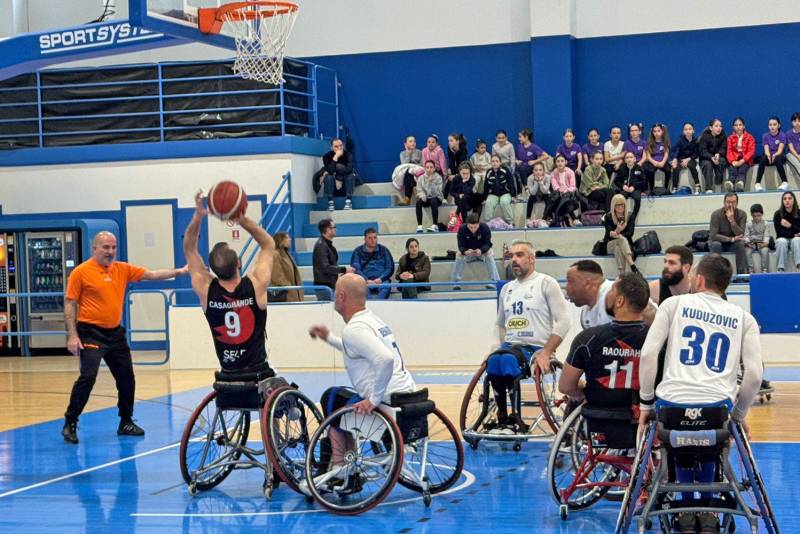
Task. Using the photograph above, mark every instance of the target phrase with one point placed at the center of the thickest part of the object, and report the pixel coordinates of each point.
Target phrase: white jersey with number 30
(531, 310)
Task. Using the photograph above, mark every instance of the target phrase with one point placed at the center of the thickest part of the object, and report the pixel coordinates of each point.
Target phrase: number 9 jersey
(237, 325)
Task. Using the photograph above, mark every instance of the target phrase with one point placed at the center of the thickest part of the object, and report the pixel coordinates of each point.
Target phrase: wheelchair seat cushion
(611, 426)
(237, 395)
(510, 361)
(690, 430)
(245, 375)
(412, 416)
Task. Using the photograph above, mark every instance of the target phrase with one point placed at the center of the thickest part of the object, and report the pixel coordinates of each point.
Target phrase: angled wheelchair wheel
(554, 406)
(758, 488)
(371, 464)
(443, 455)
(576, 477)
(211, 444)
(639, 471)
(288, 420)
(478, 406)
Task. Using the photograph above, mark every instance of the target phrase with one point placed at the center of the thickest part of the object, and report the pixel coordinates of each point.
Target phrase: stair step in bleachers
(360, 202)
(342, 229)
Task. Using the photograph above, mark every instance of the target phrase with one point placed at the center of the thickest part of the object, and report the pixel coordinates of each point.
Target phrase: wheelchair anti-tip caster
(192, 489)
(563, 512)
(426, 498)
(517, 446)
(473, 443)
(267, 488)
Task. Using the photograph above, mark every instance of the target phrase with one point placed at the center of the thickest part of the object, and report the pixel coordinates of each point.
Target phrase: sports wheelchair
(214, 442)
(592, 454)
(411, 442)
(535, 408)
(652, 495)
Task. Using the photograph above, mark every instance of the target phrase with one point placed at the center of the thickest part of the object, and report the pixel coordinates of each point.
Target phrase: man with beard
(532, 318)
(674, 279)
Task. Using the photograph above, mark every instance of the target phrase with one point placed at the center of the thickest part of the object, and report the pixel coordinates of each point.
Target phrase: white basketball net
(261, 40)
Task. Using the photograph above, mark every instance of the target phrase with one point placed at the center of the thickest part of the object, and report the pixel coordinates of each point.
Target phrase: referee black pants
(109, 345)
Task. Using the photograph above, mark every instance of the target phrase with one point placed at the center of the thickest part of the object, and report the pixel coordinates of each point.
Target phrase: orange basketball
(227, 200)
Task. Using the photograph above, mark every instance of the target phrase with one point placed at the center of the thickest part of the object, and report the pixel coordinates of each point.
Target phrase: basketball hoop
(260, 29)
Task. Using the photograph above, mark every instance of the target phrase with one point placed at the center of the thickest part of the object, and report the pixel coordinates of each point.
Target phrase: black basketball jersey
(609, 357)
(663, 291)
(238, 326)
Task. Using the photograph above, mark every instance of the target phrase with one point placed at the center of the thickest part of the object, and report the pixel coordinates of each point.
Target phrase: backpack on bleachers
(592, 217)
(699, 241)
(499, 224)
(647, 244)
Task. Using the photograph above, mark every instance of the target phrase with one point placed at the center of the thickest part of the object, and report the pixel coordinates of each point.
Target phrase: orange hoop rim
(210, 19)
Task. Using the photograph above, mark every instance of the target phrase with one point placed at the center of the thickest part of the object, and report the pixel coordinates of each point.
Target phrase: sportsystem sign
(113, 34)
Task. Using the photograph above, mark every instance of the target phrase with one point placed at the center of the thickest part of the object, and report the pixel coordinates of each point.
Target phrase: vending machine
(9, 314)
(50, 258)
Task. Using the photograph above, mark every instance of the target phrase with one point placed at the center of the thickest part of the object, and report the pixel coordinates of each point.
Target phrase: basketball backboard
(177, 18)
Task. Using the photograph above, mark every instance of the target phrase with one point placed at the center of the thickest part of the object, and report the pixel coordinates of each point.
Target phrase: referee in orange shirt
(93, 312)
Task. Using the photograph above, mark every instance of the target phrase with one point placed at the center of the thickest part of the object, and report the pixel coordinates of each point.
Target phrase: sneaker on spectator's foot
(684, 523)
(129, 428)
(709, 191)
(697, 190)
(543, 224)
(781, 270)
(708, 522)
(456, 287)
(728, 186)
(348, 204)
(330, 205)
(766, 384)
(70, 432)
(433, 228)
(758, 188)
(420, 229)
(739, 186)
(491, 286)
(784, 186)
(674, 190)
(576, 222)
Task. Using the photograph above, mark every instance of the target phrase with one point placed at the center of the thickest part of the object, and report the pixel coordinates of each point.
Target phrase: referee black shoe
(70, 432)
(129, 428)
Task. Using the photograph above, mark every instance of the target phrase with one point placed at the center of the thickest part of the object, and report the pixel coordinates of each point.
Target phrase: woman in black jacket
(684, 156)
(712, 148)
(629, 181)
(619, 225)
(463, 191)
(456, 155)
(787, 229)
(414, 267)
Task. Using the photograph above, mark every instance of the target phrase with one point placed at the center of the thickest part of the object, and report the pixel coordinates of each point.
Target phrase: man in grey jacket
(726, 231)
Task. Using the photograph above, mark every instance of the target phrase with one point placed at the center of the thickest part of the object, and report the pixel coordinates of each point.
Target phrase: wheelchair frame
(541, 427)
(731, 489)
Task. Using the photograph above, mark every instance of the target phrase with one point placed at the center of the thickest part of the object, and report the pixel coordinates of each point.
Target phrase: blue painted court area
(113, 484)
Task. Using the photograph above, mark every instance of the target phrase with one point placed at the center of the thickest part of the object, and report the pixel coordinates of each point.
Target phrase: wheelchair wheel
(478, 407)
(641, 466)
(571, 457)
(553, 404)
(758, 488)
(287, 422)
(211, 444)
(371, 464)
(444, 457)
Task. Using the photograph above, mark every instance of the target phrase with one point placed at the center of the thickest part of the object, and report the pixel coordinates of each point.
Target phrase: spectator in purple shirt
(527, 155)
(572, 154)
(774, 142)
(593, 145)
(657, 155)
(636, 144)
(793, 145)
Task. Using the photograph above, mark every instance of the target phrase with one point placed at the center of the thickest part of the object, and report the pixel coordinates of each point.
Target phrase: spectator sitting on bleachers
(326, 260)
(284, 272)
(712, 148)
(787, 228)
(505, 151)
(481, 162)
(414, 267)
(572, 154)
(429, 194)
(498, 188)
(629, 181)
(562, 183)
(684, 156)
(410, 167)
(614, 151)
(374, 263)
(619, 225)
(591, 147)
(635, 143)
(463, 191)
(338, 174)
(726, 231)
(594, 185)
(657, 156)
(456, 155)
(538, 191)
(757, 234)
(793, 146)
(433, 152)
(527, 155)
(741, 149)
(774, 142)
(474, 244)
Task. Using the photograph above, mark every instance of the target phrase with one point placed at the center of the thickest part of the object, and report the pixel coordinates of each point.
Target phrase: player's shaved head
(350, 295)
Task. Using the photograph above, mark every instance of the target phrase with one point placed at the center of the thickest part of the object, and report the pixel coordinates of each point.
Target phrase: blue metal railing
(277, 217)
(165, 107)
(131, 331)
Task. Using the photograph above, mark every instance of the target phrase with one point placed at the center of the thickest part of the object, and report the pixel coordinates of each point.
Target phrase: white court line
(470, 480)
(88, 470)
